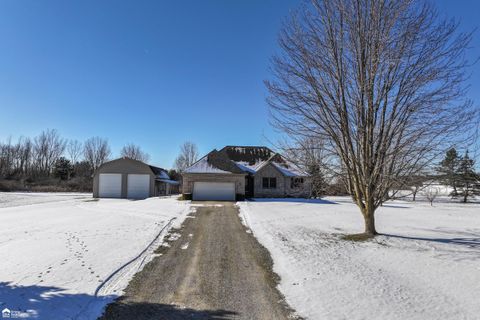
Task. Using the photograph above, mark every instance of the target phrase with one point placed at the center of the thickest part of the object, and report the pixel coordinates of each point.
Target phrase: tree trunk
(414, 195)
(369, 218)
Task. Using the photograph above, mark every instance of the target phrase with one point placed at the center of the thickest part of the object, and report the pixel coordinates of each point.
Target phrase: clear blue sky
(155, 73)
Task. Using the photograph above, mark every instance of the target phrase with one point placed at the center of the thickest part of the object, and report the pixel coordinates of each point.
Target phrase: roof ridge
(246, 146)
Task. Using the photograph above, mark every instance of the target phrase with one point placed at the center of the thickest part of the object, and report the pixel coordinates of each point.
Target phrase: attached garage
(110, 185)
(224, 191)
(138, 186)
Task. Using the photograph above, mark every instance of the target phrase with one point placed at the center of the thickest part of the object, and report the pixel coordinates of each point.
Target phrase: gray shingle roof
(242, 159)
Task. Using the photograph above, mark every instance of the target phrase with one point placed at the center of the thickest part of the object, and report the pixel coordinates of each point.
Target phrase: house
(132, 179)
(238, 172)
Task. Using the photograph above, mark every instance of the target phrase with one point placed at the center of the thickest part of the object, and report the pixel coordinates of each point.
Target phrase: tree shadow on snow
(48, 302)
(394, 206)
(125, 310)
(470, 242)
(294, 200)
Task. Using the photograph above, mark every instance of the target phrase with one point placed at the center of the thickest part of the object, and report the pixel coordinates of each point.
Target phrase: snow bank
(67, 258)
(426, 266)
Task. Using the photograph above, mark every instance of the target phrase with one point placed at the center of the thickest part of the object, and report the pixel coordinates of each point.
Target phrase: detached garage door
(214, 191)
(110, 185)
(138, 186)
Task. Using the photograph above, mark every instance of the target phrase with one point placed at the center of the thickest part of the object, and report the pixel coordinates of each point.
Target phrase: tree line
(47, 157)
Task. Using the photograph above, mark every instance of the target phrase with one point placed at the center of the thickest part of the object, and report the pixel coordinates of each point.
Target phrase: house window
(296, 183)
(269, 183)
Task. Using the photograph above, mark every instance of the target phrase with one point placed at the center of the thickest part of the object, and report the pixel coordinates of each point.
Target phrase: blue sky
(155, 73)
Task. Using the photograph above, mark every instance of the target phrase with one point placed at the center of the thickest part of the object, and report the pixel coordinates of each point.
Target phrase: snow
(425, 266)
(163, 175)
(13, 199)
(245, 166)
(169, 181)
(65, 256)
(202, 166)
(287, 170)
(290, 171)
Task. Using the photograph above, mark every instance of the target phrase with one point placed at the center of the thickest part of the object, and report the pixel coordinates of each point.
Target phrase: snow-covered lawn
(425, 266)
(59, 252)
(14, 199)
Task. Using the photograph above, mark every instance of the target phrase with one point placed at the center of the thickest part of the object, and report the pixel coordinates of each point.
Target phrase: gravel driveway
(215, 270)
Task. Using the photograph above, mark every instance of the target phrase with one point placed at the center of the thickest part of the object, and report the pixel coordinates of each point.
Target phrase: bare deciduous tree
(75, 150)
(48, 147)
(133, 151)
(96, 151)
(188, 156)
(431, 194)
(380, 82)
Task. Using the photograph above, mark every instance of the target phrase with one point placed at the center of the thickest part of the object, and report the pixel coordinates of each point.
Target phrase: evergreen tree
(468, 179)
(448, 170)
(63, 169)
(318, 180)
(174, 175)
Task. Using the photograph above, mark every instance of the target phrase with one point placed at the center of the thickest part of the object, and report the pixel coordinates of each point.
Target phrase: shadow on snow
(294, 200)
(469, 242)
(120, 310)
(394, 206)
(48, 302)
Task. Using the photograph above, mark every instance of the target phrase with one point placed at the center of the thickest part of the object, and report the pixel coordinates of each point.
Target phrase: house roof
(168, 181)
(249, 154)
(204, 166)
(160, 172)
(243, 159)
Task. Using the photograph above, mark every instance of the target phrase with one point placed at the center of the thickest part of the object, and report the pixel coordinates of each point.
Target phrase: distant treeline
(49, 162)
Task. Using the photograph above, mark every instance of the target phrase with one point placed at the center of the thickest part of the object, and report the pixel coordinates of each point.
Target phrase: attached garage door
(110, 185)
(214, 191)
(138, 186)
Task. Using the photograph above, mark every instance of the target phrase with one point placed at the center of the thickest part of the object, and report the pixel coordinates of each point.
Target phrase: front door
(249, 186)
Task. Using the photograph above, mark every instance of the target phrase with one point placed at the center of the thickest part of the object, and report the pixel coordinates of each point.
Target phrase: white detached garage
(131, 179)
